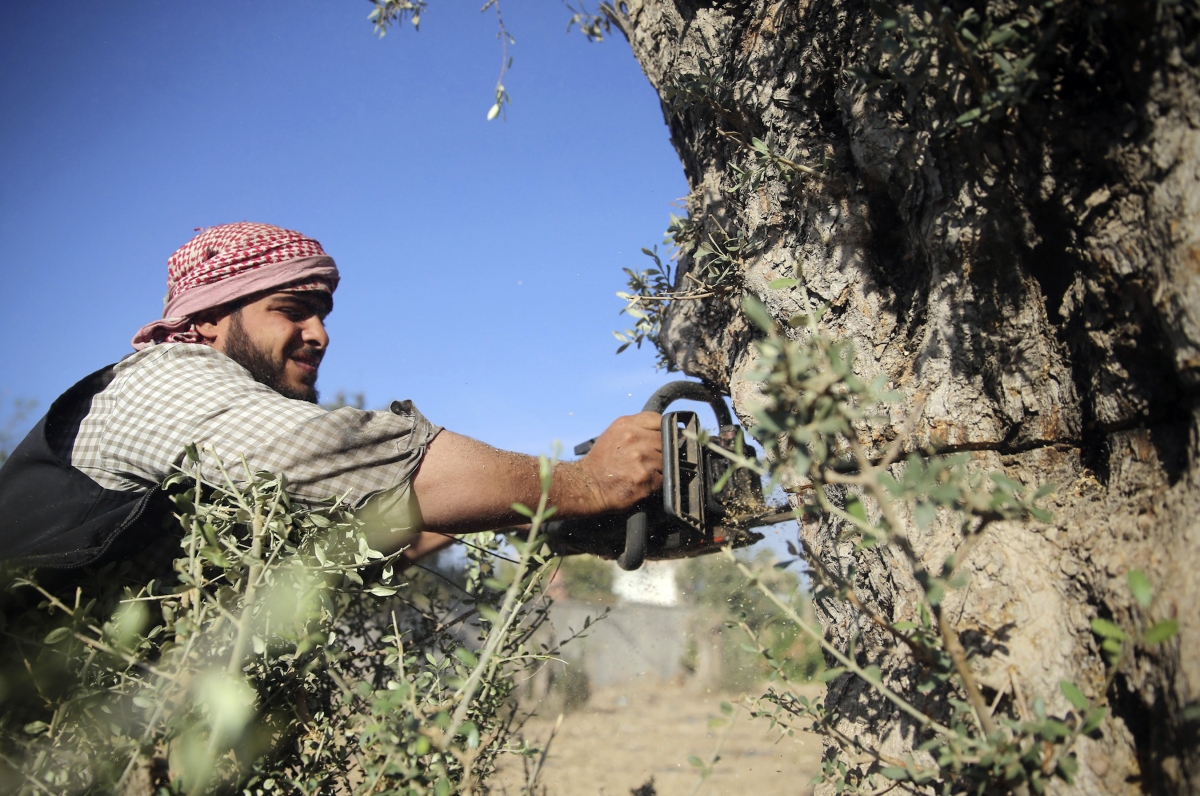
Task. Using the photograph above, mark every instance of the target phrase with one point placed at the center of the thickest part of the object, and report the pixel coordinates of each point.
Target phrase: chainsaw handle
(690, 391)
(637, 533)
(637, 527)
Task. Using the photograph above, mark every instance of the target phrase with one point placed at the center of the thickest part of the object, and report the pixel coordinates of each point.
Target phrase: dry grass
(626, 734)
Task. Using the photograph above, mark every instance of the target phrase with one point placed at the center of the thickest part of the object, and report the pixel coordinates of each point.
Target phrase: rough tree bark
(1036, 278)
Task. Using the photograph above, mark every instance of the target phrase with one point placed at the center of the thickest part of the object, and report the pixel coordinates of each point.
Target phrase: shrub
(278, 654)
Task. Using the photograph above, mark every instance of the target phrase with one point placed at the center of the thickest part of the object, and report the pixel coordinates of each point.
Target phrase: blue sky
(479, 259)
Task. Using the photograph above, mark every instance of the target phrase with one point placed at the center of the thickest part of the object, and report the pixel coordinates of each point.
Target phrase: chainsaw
(691, 517)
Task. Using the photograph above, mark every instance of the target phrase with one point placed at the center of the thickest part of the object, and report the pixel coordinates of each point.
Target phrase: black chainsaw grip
(637, 529)
(690, 391)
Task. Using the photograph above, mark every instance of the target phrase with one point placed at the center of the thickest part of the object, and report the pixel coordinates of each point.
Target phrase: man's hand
(625, 463)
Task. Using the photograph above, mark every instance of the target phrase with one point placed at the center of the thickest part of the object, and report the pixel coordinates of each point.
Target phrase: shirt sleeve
(170, 395)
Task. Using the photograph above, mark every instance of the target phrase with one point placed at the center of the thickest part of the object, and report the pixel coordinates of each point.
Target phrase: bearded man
(232, 367)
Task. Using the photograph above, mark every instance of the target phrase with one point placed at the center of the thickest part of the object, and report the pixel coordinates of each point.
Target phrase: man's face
(279, 338)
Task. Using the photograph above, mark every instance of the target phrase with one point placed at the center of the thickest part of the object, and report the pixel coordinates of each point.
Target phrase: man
(232, 367)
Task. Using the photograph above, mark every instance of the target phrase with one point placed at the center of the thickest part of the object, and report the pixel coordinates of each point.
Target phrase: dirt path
(624, 735)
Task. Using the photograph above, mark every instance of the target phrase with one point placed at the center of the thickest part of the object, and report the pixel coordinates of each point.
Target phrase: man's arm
(464, 485)
(425, 544)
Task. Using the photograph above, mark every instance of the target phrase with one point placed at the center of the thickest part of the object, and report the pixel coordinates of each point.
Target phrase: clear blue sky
(479, 259)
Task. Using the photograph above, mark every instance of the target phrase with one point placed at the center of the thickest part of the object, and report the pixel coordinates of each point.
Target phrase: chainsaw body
(689, 517)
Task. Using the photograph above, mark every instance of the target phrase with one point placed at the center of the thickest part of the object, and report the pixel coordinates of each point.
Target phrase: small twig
(444, 625)
(459, 540)
(507, 613)
(129, 659)
(537, 768)
(920, 651)
(816, 635)
(959, 657)
(25, 774)
(791, 164)
(669, 297)
(716, 754)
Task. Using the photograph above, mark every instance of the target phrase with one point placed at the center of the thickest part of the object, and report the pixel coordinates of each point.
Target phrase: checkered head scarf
(230, 262)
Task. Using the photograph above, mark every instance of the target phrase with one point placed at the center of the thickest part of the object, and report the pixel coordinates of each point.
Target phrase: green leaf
(1068, 766)
(215, 556)
(1161, 631)
(695, 761)
(489, 614)
(924, 513)
(1106, 629)
(382, 591)
(969, 116)
(830, 674)
(1041, 515)
(1043, 490)
(1001, 36)
(726, 708)
(894, 772)
(756, 311)
(1093, 720)
(1053, 729)
(1139, 584)
(1074, 695)
(935, 590)
(471, 730)
(798, 320)
(442, 788)
(56, 635)
(856, 509)
(783, 283)
(466, 656)
(35, 727)
(1006, 484)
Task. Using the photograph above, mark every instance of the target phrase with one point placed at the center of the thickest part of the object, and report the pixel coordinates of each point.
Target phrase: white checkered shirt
(172, 394)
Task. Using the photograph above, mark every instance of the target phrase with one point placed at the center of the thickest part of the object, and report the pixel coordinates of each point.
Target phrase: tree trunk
(1033, 273)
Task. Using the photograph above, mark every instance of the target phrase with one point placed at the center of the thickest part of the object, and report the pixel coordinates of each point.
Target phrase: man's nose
(313, 333)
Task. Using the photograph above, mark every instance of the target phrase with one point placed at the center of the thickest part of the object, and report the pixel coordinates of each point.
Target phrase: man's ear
(208, 324)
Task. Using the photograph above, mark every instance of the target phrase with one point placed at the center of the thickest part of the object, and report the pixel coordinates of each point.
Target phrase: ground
(629, 732)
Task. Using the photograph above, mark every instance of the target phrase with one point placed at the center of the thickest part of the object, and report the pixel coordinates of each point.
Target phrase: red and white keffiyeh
(230, 262)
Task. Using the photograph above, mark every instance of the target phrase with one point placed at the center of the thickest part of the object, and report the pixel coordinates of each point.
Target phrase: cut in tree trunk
(1034, 277)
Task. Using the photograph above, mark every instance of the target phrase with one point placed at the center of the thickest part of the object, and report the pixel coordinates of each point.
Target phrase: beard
(265, 367)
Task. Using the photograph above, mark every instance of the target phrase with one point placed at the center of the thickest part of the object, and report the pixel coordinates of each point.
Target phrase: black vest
(53, 515)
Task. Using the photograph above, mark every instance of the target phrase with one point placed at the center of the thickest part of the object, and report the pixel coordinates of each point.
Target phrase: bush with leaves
(278, 653)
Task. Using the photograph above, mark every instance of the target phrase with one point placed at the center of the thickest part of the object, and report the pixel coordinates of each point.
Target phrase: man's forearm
(464, 485)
